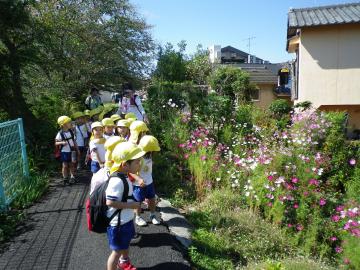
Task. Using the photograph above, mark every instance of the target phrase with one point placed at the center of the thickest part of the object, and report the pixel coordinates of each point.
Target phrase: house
(231, 55)
(272, 81)
(326, 41)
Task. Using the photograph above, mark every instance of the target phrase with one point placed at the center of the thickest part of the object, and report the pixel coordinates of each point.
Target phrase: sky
(225, 22)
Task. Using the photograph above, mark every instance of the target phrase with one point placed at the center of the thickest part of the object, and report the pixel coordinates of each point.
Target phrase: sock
(123, 260)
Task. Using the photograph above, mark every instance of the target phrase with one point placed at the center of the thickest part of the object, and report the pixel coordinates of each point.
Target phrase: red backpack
(96, 208)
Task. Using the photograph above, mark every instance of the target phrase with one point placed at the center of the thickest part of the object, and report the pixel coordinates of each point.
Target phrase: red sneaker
(126, 266)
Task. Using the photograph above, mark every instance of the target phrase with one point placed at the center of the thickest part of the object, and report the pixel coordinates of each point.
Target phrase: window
(255, 94)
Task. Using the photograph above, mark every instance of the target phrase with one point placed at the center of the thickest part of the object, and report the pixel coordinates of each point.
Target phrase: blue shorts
(66, 157)
(147, 192)
(95, 166)
(120, 237)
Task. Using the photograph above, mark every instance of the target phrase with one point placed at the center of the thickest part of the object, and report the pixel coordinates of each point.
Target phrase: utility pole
(249, 42)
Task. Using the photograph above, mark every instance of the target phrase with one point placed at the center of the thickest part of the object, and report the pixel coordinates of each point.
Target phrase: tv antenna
(249, 42)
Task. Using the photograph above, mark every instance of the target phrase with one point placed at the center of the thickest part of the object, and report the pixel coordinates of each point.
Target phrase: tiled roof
(261, 74)
(323, 15)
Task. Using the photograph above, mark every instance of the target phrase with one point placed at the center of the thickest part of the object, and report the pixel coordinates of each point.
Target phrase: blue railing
(14, 166)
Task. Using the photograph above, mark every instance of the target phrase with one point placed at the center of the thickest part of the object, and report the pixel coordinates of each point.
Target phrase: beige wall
(266, 96)
(329, 65)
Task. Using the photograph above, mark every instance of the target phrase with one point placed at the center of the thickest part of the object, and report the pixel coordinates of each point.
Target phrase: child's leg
(65, 170)
(152, 205)
(113, 260)
(73, 169)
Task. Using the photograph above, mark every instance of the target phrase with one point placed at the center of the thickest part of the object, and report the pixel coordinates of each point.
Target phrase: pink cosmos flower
(203, 157)
(270, 177)
(306, 193)
(290, 225)
(299, 227)
(339, 208)
(313, 182)
(322, 202)
(294, 180)
(296, 206)
(335, 218)
(333, 238)
(346, 261)
(186, 156)
(338, 249)
(270, 204)
(352, 162)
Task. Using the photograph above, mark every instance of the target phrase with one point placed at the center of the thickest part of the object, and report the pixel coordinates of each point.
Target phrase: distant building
(326, 41)
(273, 80)
(231, 55)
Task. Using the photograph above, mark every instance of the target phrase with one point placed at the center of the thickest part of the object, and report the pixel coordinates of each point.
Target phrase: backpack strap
(72, 137)
(125, 195)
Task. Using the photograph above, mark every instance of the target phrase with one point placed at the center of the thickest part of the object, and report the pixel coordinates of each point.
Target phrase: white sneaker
(154, 220)
(140, 221)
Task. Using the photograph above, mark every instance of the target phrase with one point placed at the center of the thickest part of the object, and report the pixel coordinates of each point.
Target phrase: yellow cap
(95, 125)
(149, 143)
(95, 111)
(112, 142)
(115, 117)
(130, 115)
(131, 120)
(108, 107)
(123, 152)
(62, 120)
(109, 147)
(138, 126)
(123, 123)
(87, 112)
(107, 122)
(78, 115)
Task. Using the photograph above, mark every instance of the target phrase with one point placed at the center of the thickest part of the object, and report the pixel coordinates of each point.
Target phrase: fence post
(23, 148)
(2, 195)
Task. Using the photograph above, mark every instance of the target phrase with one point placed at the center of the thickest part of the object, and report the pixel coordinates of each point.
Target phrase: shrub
(280, 108)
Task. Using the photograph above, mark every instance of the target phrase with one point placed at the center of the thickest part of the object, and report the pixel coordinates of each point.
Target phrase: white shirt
(126, 107)
(146, 171)
(81, 134)
(107, 136)
(114, 192)
(69, 141)
(100, 149)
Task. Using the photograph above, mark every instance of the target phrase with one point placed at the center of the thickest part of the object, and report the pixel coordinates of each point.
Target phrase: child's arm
(60, 143)
(98, 158)
(138, 179)
(123, 205)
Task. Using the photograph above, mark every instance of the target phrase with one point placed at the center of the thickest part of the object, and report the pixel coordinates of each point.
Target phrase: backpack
(58, 148)
(96, 208)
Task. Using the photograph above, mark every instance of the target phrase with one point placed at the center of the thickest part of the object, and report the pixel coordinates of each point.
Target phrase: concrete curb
(176, 223)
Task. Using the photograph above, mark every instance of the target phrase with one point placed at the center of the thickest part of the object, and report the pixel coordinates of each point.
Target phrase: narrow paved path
(55, 236)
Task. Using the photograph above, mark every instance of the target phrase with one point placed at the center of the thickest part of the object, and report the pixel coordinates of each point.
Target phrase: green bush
(280, 108)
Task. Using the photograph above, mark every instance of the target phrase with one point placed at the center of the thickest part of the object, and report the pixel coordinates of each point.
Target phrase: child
(103, 174)
(108, 125)
(145, 189)
(126, 158)
(69, 150)
(81, 137)
(97, 149)
(122, 129)
(137, 130)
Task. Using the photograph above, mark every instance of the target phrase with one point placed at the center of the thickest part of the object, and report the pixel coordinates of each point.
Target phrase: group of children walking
(117, 146)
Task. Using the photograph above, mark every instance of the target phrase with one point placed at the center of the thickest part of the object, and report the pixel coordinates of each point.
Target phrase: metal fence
(14, 166)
